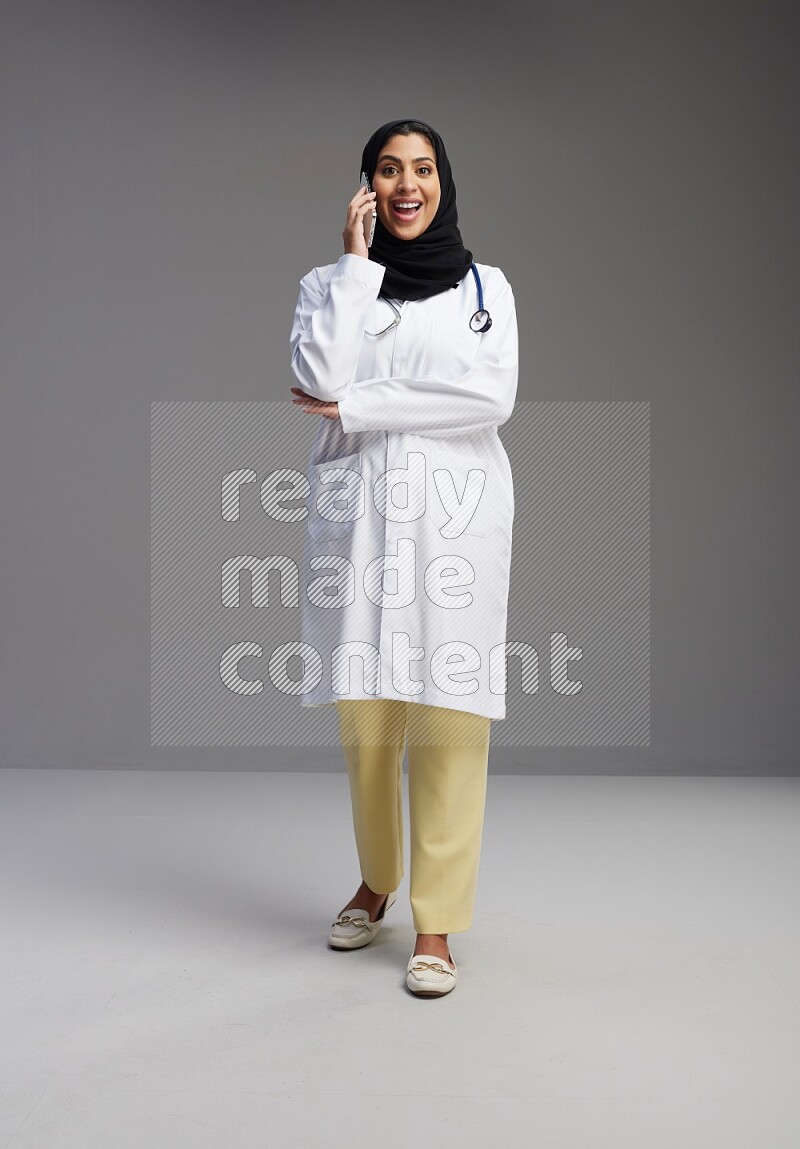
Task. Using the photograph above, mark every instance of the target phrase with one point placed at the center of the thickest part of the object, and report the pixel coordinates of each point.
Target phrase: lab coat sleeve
(482, 397)
(329, 324)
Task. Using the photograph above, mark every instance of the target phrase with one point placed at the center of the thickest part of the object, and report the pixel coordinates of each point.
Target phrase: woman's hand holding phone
(359, 221)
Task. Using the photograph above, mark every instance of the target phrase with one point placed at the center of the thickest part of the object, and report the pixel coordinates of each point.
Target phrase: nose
(406, 183)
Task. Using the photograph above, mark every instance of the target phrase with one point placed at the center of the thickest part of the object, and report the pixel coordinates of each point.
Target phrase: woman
(411, 506)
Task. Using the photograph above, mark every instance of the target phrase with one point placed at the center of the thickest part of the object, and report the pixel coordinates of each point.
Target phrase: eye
(391, 168)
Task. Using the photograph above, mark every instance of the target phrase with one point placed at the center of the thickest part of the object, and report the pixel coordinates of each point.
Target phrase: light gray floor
(632, 978)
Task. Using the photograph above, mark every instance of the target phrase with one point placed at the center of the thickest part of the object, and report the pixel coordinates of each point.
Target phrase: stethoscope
(479, 322)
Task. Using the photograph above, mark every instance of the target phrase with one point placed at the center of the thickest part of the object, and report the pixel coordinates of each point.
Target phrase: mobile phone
(369, 220)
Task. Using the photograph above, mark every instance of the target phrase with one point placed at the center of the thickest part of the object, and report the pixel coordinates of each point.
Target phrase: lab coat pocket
(336, 500)
(460, 495)
(450, 350)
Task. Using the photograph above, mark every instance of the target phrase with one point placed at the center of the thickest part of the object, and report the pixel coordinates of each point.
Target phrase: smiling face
(406, 172)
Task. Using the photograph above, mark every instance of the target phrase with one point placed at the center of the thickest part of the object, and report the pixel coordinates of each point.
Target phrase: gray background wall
(169, 172)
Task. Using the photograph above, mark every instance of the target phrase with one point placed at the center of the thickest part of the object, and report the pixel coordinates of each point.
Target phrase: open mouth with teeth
(406, 209)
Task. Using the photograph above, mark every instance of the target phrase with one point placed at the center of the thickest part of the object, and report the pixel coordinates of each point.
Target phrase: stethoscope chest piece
(480, 321)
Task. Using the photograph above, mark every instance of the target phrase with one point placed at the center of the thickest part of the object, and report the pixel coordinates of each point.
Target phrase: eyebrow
(418, 160)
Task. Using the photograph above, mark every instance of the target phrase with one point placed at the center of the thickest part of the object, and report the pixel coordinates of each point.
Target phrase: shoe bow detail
(421, 965)
(346, 920)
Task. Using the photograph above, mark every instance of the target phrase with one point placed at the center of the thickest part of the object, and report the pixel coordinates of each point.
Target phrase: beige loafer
(353, 929)
(430, 976)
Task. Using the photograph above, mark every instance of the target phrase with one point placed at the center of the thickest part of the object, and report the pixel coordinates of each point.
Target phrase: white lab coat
(428, 396)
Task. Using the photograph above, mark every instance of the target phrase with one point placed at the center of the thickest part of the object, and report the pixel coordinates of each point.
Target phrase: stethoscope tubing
(479, 322)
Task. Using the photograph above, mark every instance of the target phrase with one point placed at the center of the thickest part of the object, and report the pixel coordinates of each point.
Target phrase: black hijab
(436, 259)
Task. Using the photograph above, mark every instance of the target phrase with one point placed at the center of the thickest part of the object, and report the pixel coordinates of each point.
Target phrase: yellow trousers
(448, 762)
